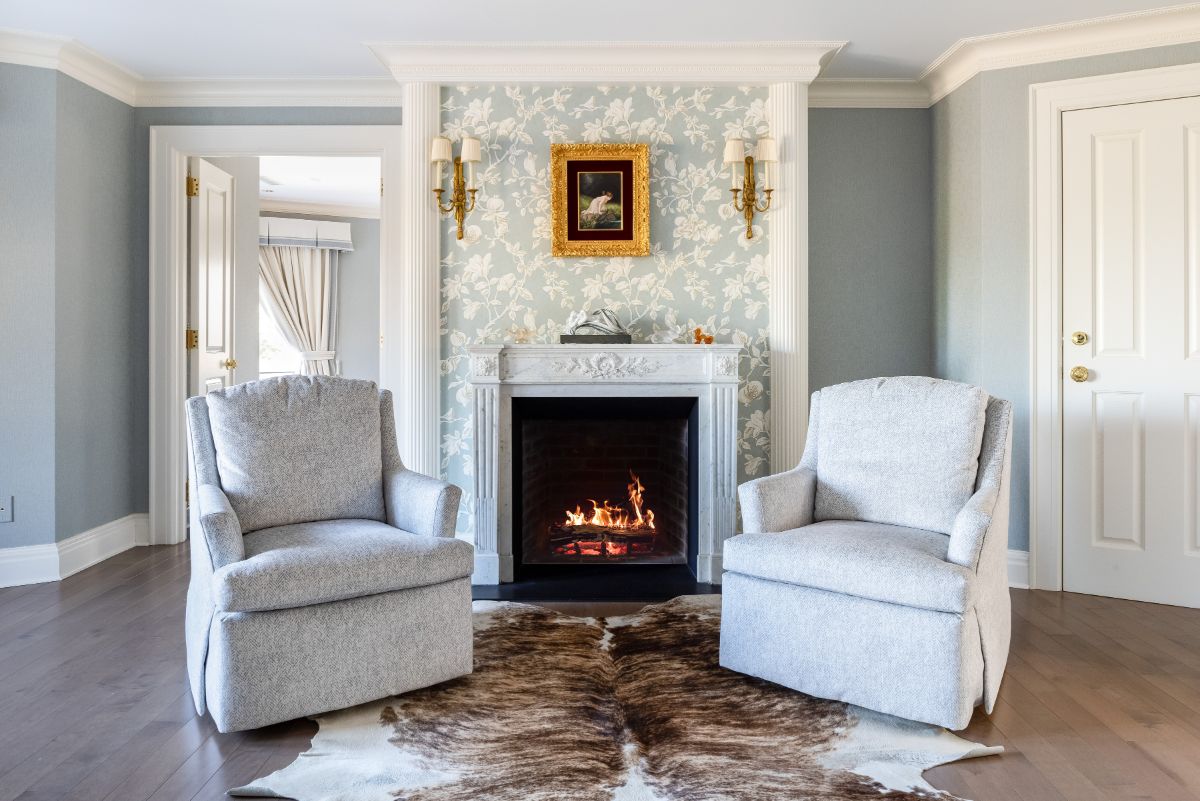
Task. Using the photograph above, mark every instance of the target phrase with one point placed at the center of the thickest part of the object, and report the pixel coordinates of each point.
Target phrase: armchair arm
(778, 503)
(222, 531)
(971, 527)
(418, 503)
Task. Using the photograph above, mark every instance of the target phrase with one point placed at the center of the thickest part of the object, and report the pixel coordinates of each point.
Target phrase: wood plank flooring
(1101, 699)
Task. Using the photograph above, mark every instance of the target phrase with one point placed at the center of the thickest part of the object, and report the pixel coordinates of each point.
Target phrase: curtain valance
(290, 232)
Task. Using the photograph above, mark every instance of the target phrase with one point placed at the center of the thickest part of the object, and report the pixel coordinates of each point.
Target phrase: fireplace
(632, 402)
(603, 482)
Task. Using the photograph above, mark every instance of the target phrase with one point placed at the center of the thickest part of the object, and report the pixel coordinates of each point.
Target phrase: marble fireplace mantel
(501, 372)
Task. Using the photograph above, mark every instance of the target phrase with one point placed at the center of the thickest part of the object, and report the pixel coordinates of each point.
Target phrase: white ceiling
(889, 39)
(343, 181)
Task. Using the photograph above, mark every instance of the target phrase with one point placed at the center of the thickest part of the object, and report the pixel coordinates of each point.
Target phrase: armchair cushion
(332, 560)
(297, 449)
(879, 562)
(902, 451)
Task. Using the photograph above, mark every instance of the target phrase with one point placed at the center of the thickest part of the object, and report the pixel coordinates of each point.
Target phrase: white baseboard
(34, 564)
(29, 564)
(97, 544)
(1018, 569)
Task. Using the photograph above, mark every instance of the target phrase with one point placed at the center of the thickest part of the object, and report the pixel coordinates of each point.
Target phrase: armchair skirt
(263, 667)
(919, 664)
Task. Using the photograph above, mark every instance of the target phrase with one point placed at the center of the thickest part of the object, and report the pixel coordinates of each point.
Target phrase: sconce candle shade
(441, 150)
(735, 151)
(470, 150)
(766, 151)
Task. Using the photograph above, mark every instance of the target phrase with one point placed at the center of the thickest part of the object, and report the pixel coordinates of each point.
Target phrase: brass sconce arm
(462, 199)
(746, 200)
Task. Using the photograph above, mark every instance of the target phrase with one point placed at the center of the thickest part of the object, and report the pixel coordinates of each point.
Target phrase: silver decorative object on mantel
(601, 327)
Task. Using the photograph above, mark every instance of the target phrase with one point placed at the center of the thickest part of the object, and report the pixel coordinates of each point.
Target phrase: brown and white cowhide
(631, 708)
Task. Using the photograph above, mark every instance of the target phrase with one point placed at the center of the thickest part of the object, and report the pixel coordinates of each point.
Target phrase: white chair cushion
(299, 448)
(331, 560)
(885, 563)
(903, 450)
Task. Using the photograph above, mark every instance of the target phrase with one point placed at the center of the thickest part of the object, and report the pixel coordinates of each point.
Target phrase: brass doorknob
(229, 364)
(1079, 374)
(1079, 338)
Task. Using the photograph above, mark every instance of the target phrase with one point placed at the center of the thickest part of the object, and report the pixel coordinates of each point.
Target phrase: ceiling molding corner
(70, 58)
(1118, 33)
(600, 62)
(867, 94)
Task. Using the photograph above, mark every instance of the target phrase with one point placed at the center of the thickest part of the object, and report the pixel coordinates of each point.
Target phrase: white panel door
(210, 268)
(1131, 286)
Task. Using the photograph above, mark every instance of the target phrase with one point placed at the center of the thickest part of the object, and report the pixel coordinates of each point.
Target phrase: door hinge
(191, 339)
(381, 188)
(193, 186)
(187, 495)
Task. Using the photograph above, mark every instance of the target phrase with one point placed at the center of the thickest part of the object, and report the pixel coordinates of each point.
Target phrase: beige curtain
(298, 288)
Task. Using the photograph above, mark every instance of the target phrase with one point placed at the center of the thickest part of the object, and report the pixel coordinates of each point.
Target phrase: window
(275, 355)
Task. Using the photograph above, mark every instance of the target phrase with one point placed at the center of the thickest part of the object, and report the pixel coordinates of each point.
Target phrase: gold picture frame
(600, 200)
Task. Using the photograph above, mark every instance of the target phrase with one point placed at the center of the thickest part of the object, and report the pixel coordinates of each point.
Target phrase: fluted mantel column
(787, 111)
(410, 298)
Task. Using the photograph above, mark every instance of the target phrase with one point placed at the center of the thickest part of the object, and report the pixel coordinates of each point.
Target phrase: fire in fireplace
(607, 531)
(602, 481)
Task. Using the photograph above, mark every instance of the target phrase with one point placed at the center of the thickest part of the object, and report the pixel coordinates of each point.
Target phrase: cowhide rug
(631, 708)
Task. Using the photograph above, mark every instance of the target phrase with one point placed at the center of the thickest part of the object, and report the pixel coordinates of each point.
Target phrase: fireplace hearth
(603, 482)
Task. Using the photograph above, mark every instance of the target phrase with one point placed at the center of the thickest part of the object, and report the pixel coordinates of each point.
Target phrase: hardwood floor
(1101, 699)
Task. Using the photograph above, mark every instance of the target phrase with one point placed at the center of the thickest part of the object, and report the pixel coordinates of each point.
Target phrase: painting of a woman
(600, 200)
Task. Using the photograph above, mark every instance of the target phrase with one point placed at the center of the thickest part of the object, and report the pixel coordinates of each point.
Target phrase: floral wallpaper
(500, 283)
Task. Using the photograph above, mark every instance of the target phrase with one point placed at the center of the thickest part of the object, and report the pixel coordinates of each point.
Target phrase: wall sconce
(748, 204)
(469, 155)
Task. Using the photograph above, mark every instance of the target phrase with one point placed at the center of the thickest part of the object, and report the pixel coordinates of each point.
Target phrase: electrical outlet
(6, 509)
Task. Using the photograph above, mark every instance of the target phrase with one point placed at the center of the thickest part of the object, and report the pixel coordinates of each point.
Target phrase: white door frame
(170, 147)
(1047, 102)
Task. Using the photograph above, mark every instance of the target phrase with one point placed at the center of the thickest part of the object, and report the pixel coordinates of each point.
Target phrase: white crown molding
(70, 58)
(600, 62)
(241, 92)
(320, 209)
(1139, 30)
(867, 94)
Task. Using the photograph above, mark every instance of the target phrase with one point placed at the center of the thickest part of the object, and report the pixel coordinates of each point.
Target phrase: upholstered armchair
(875, 572)
(324, 573)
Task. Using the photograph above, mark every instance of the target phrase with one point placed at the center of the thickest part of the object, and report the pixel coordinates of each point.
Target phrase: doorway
(1131, 314)
(1116, 337)
(170, 150)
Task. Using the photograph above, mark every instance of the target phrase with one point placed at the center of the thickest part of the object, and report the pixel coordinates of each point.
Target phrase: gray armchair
(324, 573)
(876, 571)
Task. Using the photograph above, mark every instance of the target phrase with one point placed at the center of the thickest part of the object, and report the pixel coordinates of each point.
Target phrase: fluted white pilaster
(787, 111)
(487, 467)
(410, 299)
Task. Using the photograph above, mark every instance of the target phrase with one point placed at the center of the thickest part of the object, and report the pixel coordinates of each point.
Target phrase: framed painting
(600, 200)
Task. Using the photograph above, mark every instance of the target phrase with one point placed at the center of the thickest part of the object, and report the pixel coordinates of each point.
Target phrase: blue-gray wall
(98, 347)
(870, 240)
(28, 111)
(68, 302)
(981, 208)
(358, 296)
